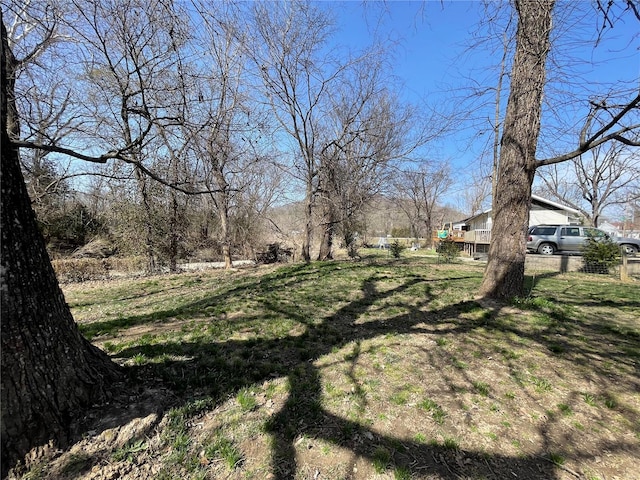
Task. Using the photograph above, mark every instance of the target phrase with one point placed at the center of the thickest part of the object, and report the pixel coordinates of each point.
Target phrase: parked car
(549, 239)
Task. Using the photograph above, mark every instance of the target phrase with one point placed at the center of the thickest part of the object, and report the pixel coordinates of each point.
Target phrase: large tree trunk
(49, 371)
(308, 224)
(328, 231)
(224, 224)
(504, 274)
(326, 242)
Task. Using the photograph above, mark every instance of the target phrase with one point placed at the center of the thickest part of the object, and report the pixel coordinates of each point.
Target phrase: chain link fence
(626, 268)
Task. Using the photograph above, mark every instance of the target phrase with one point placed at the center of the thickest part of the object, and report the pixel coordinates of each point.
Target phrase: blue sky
(429, 36)
(434, 35)
(433, 58)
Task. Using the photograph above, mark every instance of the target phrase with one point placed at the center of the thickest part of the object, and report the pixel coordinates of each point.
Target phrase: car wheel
(629, 249)
(546, 249)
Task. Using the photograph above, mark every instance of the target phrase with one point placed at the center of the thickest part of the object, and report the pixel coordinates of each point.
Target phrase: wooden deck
(474, 241)
(473, 236)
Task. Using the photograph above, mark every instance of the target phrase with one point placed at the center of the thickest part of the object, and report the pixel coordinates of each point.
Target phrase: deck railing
(472, 236)
(456, 235)
(478, 236)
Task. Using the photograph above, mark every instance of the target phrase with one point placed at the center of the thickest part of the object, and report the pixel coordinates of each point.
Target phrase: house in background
(475, 232)
(610, 228)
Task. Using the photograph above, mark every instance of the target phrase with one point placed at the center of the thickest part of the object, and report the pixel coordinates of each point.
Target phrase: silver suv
(549, 239)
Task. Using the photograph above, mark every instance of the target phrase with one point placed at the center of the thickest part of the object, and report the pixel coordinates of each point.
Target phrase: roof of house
(554, 204)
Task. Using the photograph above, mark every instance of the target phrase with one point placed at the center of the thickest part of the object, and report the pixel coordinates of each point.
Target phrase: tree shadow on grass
(216, 370)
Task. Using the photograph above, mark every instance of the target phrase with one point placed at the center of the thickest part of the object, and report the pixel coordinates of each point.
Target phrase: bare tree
(607, 176)
(422, 190)
(476, 196)
(222, 126)
(125, 67)
(366, 133)
(297, 75)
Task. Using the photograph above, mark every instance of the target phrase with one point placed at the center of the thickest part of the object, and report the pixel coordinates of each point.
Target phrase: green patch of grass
(482, 388)
(610, 401)
(401, 473)
(451, 443)
(589, 399)
(509, 354)
(76, 464)
(459, 364)
(178, 417)
(534, 303)
(565, 409)
(437, 413)
(246, 399)
(441, 341)
(420, 438)
(139, 359)
(129, 451)
(381, 460)
(541, 384)
(224, 449)
(399, 398)
(557, 459)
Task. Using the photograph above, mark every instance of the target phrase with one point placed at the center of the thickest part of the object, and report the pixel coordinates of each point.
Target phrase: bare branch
(113, 155)
(599, 137)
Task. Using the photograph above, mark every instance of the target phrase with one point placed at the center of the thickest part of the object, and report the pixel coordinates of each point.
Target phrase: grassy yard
(376, 369)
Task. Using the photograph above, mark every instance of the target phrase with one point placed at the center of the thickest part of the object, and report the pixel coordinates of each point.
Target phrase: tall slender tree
(421, 191)
(366, 133)
(297, 75)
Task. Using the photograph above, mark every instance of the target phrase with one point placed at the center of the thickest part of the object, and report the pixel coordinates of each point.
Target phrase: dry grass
(374, 369)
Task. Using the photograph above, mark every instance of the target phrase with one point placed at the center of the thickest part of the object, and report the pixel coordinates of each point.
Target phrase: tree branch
(599, 137)
(112, 155)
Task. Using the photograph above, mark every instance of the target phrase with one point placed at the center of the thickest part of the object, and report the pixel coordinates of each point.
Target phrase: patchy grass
(381, 368)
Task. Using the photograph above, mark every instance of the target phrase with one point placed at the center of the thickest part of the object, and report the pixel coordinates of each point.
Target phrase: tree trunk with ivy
(49, 370)
(504, 273)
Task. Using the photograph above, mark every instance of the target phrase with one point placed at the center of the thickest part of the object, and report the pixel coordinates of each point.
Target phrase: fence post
(624, 272)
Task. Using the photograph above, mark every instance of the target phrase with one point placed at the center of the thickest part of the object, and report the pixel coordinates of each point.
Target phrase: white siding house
(477, 229)
(610, 229)
(545, 211)
(542, 211)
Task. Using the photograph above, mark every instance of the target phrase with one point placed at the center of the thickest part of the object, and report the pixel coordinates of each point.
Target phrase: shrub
(83, 269)
(448, 249)
(80, 269)
(396, 249)
(351, 242)
(599, 256)
(274, 254)
(352, 250)
(68, 229)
